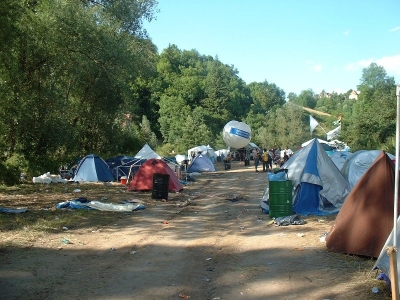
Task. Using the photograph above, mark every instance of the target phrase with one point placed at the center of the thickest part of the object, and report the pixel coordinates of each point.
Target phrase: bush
(9, 175)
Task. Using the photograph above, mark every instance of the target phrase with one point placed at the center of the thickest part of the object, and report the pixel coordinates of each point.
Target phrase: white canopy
(146, 153)
(205, 150)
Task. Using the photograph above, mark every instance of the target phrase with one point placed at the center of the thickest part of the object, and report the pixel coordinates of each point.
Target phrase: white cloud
(355, 66)
(395, 29)
(346, 33)
(390, 63)
(313, 66)
(317, 68)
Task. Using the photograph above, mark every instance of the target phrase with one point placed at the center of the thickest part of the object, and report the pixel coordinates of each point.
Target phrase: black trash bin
(246, 162)
(160, 186)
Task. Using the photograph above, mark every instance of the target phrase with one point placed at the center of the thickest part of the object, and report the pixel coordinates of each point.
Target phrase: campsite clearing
(211, 241)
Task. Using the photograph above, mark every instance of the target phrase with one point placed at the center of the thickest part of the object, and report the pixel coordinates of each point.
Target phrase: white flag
(313, 124)
(333, 133)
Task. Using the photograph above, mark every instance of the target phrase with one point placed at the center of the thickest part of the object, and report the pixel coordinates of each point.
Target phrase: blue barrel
(280, 198)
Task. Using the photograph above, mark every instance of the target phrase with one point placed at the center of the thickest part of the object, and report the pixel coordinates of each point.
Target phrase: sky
(295, 44)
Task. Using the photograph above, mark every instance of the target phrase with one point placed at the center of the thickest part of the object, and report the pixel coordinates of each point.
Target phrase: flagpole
(392, 251)
(322, 129)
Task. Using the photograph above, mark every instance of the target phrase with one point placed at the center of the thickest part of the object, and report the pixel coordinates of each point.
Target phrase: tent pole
(322, 129)
(393, 254)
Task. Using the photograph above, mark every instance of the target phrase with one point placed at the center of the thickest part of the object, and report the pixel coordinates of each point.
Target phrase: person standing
(270, 158)
(256, 158)
(265, 160)
(277, 156)
(288, 151)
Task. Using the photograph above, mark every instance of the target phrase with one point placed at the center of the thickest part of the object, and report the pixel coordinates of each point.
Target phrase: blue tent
(92, 168)
(201, 163)
(319, 187)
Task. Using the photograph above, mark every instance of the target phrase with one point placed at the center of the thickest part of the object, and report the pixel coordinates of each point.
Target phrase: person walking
(265, 160)
(256, 158)
(270, 158)
(277, 156)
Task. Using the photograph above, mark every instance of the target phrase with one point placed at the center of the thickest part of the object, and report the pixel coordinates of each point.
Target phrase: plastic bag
(281, 176)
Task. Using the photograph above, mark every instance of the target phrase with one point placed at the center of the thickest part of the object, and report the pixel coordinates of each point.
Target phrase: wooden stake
(392, 252)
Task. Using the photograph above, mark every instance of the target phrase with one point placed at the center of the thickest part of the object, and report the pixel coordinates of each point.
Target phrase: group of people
(268, 157)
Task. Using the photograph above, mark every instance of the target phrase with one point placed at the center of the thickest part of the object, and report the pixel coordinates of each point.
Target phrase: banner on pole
(313, 123)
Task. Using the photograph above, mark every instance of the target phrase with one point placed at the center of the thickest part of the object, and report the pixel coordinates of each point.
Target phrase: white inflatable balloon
(236, 134)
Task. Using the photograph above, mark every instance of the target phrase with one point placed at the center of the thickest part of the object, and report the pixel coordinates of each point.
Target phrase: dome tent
(92, 168)
(366, 217)
(143, 179)
(319, 187)
(201, 163)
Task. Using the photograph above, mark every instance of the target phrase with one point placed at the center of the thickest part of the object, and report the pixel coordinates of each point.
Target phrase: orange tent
(143, 179)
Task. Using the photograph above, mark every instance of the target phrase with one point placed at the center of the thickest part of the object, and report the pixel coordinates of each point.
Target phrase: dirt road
(220, 246)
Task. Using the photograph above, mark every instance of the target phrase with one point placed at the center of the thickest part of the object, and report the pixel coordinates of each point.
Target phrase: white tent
(250, 146)
(180, 158)
(205, 150)
(319, 140)
(358, 163)
(222, 151)
(383, 261)
(146, 153)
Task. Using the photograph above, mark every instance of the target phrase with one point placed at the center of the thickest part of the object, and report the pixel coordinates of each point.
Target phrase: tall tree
(265, 96)
(69, 70)
(285, 126)
(373, 122)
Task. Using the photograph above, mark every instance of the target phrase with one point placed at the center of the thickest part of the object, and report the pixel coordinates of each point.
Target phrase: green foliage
(147, 135)
(66, 76)
(197, 96)
(285, 126)
(265, 96)
(9, 174)
(79, 77)
(306, 98)
(372, 124)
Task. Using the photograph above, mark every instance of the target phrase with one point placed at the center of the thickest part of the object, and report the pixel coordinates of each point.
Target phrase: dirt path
(217, 247)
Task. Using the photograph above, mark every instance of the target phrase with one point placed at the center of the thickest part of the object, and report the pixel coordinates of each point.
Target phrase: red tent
(366, 218)
(143, 179)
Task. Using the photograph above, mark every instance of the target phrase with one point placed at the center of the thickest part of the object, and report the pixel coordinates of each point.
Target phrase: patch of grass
(42, 214)
(54, 221)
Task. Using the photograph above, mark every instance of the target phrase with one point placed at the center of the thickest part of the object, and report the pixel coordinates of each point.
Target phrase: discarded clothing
(288, 220)
(383, 276)
(115, 207)
(13, 210)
